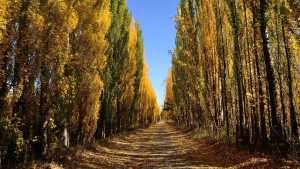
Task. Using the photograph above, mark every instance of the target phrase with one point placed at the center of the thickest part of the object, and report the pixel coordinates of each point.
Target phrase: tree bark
(263, 128)
(276, 129)
(293, 113)
(237, 68)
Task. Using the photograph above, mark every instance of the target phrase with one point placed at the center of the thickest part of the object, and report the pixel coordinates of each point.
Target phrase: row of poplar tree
(71, 71)
(236, 70)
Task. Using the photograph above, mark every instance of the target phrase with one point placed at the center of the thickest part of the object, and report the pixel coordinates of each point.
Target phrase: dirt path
(162, 146)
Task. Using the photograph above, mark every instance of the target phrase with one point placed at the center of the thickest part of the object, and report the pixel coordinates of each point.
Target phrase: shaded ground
(163, 146)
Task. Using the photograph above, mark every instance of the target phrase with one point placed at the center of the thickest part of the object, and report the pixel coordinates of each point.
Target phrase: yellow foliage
(91, 88)
(64, 14)
(3, 18)
(169, 96)
(149, 107)
(72, 19)
(132, 41)
(34, 16)
(95, 23)
(3, 29)
(128, 75)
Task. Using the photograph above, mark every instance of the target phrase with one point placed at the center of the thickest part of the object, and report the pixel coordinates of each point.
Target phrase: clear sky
(156, 18)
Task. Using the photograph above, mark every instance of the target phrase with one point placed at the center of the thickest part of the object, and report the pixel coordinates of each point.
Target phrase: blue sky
(156, 18)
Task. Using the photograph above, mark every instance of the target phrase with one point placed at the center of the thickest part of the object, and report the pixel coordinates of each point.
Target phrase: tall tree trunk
(100, 133)
(21, 72)
(223, 69)
(4, 86)
(280, 74)
(263, 128)
(253, 113)
(237, 68)
(293, 113)
(44, 102)
(276, 129)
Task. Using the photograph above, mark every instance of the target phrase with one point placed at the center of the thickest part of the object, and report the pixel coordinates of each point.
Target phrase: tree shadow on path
(164, 147)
